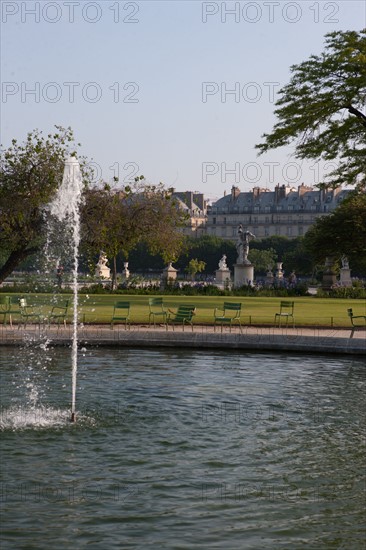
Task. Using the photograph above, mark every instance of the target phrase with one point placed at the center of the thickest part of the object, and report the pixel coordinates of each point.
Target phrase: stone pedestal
(269, 279)
(329, 277)
(345, 277)
(169, 273)
(103, 272)
(125, 272)
(243, 274)
(222, 278)
(279, 271)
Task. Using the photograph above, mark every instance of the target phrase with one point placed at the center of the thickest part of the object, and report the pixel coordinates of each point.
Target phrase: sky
(177, 91)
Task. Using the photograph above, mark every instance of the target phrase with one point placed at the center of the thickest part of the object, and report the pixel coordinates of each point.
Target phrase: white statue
(102, 270)
(222, 262)
(242, 245)
(344, 261)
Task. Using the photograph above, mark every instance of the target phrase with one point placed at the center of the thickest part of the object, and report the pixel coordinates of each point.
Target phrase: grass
(309, 311)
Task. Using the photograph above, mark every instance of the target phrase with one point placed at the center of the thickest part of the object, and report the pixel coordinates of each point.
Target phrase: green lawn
(309, 311)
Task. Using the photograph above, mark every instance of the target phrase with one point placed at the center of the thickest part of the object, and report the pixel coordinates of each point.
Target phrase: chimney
(302, 189)
(235, 192)
(256, 193)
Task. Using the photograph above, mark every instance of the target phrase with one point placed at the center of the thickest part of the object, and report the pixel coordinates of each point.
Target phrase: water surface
(182, 449)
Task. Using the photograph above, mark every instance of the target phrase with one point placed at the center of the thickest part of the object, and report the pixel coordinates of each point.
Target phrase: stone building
(195, 206)
(286, 211)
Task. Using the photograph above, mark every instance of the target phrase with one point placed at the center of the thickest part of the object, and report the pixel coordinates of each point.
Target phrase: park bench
(228, 314)
(358, 321)
(183, 315)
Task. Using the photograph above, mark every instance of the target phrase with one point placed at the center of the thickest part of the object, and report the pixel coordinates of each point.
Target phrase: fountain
(65, 207)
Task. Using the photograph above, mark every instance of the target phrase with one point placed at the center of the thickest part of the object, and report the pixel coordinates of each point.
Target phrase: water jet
(65, 207)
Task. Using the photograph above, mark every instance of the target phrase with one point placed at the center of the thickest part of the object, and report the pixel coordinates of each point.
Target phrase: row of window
(255, 220)
(229, 232)
(269, 209)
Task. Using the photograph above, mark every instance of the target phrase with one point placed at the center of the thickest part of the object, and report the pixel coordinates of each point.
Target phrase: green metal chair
(30, 313)
(14, 308)
(157, 310)
(121, 313)
(286, 312)
(58, 314)
(5, 308)
(184, 315)
(360, 323)
(228, 314)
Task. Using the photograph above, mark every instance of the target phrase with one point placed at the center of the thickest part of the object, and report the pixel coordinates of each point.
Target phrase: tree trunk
(15, 258)
(114, 273)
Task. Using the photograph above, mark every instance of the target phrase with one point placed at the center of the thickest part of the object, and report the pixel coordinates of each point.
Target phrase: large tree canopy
(116, 220)
(322, 109)
(30, 173)
(342, 233)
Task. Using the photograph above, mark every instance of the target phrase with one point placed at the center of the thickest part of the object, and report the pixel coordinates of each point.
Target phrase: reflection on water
(182, 449)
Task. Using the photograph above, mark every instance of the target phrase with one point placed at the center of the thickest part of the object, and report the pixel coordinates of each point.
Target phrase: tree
(321, 109)
(341, 233)
(195, 266)
(29, 177)
(263, 259)
(298, 259)
(210, 248)
(116, 220)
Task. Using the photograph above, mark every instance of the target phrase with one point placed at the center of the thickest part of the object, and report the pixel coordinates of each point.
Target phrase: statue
(345, 273)
(242, 245)
(222, 262)
(102, 270)
(344, 261)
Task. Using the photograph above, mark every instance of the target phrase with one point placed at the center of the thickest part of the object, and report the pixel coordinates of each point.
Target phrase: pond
(182, 449)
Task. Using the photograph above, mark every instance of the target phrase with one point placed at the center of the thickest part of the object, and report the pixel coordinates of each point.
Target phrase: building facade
(286, 211)
(195, 206)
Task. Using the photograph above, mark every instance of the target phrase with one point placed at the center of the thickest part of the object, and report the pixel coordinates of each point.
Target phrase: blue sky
(146, 85)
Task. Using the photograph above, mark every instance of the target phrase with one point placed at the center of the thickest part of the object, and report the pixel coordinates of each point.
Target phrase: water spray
(66, 207)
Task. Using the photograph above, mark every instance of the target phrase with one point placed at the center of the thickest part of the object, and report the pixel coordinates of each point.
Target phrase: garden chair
(121, 313)
(228, 314)
(184, 315)
(360, 323)
(14, 308)
(156, 309)
(59, 313)
(4, 307)
(29, 313)
(286, 312)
